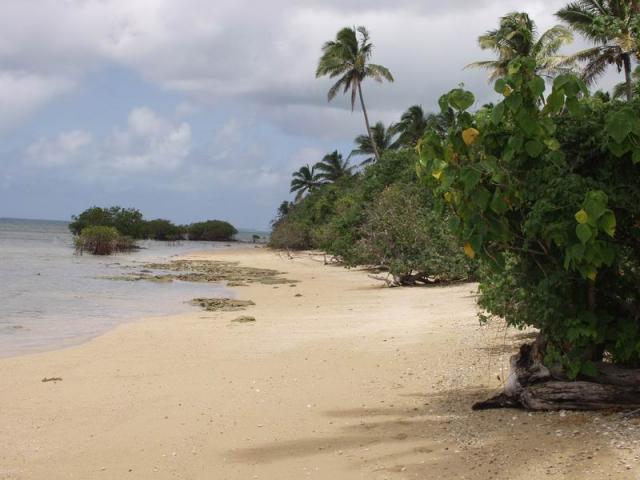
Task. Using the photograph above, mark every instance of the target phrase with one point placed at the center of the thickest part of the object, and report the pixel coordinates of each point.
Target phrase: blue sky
(197, 109)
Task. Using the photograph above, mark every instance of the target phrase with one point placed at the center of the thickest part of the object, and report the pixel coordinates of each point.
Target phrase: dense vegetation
(537, 195)
(101, 240)
(129, 225)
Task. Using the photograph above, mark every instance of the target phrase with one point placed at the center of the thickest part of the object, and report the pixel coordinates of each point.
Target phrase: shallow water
(51, 298)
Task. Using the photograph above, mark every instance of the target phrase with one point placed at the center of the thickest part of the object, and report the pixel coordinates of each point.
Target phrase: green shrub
(128, 221)
(211, 230)
(161, 229)
(544, 191)
(101, 240)
(403, 233)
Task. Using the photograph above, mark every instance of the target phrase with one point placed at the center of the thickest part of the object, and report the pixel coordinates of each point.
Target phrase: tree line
(105, 230)
(535, 196)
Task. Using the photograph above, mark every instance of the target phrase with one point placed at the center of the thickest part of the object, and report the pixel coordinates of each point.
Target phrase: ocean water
(51, 298)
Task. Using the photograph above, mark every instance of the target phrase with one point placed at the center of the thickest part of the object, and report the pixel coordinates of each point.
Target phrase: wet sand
(337, 378)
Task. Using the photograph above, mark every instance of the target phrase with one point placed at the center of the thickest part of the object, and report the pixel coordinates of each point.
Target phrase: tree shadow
(437, 432)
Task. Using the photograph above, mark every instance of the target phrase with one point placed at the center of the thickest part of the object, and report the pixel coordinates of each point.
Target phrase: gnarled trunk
(533, 386)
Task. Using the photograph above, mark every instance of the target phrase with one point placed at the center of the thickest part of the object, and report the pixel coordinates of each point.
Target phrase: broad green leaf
(555, 101)
(636, 156)
(620, 124)
(497, 113)
(481, 197)
(499, 85)
(552, 144)
(498, 204)
(583, 232)
(536, 86)
(618, 149)
(595, 204)
(443, 101)
(534, 148)
(608, 223)
(461, 99)
(470, 177)
(514, 101)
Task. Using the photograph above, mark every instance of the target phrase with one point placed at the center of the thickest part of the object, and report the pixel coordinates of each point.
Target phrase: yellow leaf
(448, 196)
(582, 217)
(469, 251)
(507, 90)
(437, 174)
(470, 135)
(592, 275)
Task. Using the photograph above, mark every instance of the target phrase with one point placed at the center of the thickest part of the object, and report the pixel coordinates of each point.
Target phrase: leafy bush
(161, 229)
(101, 240)
(403, 233)
(211, 230)
(291, 233)
(545, 193)
(128, 221)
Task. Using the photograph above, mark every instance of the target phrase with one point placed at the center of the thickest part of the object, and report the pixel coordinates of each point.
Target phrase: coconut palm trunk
(366, 121)
(626, 59)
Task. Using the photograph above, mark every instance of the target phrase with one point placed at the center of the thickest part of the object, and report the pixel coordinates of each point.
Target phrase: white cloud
(64, 150)
(148, 143)
(263, 53)
(22, 93)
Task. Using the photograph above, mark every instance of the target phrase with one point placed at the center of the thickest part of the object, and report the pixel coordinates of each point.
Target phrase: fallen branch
(533, 386)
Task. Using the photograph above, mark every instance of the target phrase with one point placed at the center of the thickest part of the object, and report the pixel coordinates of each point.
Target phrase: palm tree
(620, 90)
(414, 122)
(303, 181)
(347, 57)
(517, 37)
(332, 168)
(383, 138)
(608, 24)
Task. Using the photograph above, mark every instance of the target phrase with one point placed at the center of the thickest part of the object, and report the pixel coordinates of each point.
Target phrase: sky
(202, 109)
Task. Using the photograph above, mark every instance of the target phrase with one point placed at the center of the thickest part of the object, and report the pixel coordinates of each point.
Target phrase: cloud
(22, 93)
(148, 143)
(61, 151)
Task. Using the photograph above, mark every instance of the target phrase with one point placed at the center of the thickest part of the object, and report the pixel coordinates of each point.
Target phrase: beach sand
(350, 380)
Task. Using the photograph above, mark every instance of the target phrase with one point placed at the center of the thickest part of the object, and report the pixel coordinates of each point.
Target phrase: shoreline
(349, 380)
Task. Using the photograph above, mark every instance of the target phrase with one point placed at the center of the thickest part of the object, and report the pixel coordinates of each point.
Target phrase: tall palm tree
(347, 57)
(383, 138)
(609, 25)
(517, 36)
(304, 180)
(414, 122)
(333, 167)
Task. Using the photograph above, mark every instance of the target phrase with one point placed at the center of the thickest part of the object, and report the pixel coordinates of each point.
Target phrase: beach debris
(298, 295)
(51, 379)
(244, 319)
(221, 304)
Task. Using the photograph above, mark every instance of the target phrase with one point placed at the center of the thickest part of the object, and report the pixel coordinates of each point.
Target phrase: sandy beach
(338, 378)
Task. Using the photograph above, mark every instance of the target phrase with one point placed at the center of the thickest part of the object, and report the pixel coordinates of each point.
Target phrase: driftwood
(533, 386)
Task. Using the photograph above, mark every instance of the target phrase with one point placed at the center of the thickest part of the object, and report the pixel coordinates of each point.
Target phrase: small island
(104, 231)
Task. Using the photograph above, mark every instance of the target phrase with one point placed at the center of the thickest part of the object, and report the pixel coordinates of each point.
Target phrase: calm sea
(51, 298)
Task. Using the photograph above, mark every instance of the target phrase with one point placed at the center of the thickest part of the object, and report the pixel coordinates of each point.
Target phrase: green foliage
(163, 230)
(379, 217)
(128, 221)
(401, 231)
(211, 231)
(102, 240)
(544, 194)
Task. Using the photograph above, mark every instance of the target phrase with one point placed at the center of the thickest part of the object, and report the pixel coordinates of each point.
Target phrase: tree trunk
(366, 121)
(533, 386)
(626, 58)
